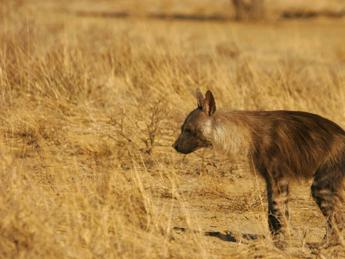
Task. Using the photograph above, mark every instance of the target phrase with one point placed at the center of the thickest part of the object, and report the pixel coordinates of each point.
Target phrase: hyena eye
(188, 131)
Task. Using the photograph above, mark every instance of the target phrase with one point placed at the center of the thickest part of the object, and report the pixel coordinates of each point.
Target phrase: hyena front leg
(328, 194)
(277, 187)
(278, 214)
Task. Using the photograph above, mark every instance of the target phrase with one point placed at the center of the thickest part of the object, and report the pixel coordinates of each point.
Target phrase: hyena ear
(209, 105)
(200, 98)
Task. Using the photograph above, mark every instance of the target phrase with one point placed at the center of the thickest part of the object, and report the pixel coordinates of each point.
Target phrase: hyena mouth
(208, 144)
(184, 150)
(189, 149)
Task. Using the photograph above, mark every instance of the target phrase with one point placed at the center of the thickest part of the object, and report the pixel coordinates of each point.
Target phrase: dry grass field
(91, 101)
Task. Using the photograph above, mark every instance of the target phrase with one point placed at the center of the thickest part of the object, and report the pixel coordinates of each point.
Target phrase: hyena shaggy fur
(281, 145)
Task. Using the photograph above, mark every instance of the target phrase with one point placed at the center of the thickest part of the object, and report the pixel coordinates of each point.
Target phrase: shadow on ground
(157, 16)
(100, 14)
(204, 18)
(302, 14)
(190, 17)
(227, 236)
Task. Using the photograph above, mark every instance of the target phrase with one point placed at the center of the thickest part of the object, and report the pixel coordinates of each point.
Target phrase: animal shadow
(154, 16)
(190, 17)
(227, 236)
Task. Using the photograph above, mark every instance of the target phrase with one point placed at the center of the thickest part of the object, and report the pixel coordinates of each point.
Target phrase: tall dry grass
(89, 108)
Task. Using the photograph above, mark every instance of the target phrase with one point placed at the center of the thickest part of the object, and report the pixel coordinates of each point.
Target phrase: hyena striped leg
(277, 188)
(277, 196)
(327, 193)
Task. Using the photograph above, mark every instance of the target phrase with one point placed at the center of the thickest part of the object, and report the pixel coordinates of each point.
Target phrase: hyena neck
(231, 133)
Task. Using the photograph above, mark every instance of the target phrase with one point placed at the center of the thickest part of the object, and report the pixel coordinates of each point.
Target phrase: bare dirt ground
(92, 97)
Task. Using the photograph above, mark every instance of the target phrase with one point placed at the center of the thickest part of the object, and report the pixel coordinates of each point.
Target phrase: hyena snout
(183, 146)
(175, 145)
(186, 144)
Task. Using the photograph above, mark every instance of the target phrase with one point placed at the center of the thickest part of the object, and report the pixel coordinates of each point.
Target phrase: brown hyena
(282, 145)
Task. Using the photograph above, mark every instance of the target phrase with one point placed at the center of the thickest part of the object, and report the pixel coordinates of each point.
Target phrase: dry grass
(89, 107)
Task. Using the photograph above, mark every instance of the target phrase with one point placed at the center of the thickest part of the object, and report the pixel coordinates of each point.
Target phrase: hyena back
(282, 145)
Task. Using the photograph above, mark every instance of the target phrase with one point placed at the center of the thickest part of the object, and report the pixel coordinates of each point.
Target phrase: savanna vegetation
(92, 95)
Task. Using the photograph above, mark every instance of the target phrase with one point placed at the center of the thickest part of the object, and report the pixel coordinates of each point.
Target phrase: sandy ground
(92, 97)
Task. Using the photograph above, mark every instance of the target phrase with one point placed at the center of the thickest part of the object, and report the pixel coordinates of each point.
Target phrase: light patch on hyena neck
(207, 129)
(230, 137)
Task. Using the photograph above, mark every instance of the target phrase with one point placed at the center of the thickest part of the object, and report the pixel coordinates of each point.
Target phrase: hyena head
(197, 127)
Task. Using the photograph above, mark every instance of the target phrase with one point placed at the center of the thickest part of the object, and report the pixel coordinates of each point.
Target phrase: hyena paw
(327, 242)
(280, 240)
(332, 240)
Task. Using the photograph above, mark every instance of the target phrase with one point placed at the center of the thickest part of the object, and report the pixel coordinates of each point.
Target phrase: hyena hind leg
(327, 191)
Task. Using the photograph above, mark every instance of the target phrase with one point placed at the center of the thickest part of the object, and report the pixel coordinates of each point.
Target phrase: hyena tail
(328, 192)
